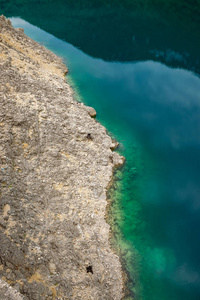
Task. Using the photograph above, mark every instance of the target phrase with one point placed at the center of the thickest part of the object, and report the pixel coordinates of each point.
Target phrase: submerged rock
(56, 163)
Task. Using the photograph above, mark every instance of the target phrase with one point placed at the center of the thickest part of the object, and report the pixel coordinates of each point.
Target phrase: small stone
(52, 267)
(114, 145)
(9, 265)
(91, 111)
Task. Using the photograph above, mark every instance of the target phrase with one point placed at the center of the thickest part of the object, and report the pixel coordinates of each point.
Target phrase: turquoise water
(153, 110)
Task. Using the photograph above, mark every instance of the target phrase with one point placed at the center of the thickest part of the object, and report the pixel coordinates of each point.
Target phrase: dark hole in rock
(89, 137)
(89, 269)
(111, 159)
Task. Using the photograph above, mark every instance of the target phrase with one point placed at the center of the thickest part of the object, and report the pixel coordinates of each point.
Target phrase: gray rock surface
(55, 165)
(8, 293)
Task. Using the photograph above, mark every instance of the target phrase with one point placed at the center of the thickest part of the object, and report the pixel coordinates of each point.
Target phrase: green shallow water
(153, 110)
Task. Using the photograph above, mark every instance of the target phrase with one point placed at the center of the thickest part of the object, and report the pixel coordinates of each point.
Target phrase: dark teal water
(153, 109)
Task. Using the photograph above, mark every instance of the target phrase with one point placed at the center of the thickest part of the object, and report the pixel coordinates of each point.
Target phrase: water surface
(114, 30)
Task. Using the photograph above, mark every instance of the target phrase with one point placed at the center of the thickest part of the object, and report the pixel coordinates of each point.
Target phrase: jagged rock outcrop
(55, 165)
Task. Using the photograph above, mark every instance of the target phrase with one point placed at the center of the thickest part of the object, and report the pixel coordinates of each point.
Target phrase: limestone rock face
(55, 165)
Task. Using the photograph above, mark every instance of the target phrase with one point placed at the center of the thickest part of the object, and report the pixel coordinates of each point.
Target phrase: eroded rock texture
(55, 165)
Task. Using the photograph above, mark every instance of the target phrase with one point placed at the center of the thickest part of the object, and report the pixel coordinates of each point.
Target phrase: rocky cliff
(56, 163)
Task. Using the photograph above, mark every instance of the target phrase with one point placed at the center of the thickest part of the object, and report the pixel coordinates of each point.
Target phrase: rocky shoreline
(56, 164)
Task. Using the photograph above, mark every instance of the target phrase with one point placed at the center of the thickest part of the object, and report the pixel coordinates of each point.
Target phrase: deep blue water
(154, 111)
